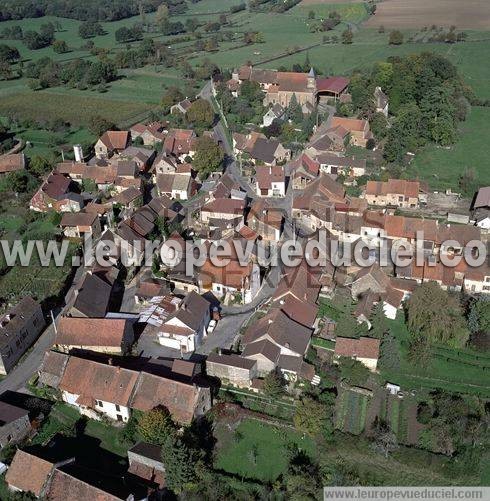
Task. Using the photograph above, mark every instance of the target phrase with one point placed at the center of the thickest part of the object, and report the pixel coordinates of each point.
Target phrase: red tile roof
(363, 347)
(28, 473)
(103, 332)
(335, 85)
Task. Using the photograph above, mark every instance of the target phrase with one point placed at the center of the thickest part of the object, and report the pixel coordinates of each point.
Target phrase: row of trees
(46, 73)
(83, 10)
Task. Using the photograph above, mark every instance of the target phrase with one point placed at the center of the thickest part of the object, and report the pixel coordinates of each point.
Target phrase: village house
(335, 165)
(55, 194)
(371, 285)
(363, 349)
(181, 107)
(111, 142)
(20, 326)
(323, 204)
(13, 162)
(150, 134)
(34, 482)
(104, 389)
(273, 336)
(178, 185)
(231, 279)
(275, 112)
(270, 181)
(81, 224)
(381, 101)
(14, 424)
(180, 143)
(142, 157)
(233, 369)
(303, 170)
(185, 329)
(358, 129)
(52, 481)
(223, 209)
(104, 335)
(130, 198)
(327, 140)
(481, 208)
(296, 295)
(145, 461)
(396, 193)
(259, 149)
(90, 298)
(265, 221)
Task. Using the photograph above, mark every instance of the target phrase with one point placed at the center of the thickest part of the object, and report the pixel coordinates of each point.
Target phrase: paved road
(17, 379)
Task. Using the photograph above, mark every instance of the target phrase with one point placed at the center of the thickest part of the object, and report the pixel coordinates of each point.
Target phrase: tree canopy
(437, 316)
(209, 156)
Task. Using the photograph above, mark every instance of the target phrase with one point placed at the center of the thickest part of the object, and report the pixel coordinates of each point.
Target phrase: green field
(461, 370)
(70, 106)
(257, 450)
(441, 167)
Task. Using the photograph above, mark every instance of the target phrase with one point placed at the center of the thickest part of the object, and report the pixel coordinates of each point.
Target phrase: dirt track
(467, 14)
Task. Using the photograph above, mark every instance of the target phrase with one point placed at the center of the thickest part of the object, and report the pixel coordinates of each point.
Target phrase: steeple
(311, 79)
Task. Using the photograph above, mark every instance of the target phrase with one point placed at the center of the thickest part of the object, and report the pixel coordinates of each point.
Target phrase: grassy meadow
(256, 450)
(462, 370)
(441, 167)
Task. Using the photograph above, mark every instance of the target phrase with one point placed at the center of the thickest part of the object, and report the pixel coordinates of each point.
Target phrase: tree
(294, 112)
(21, 181)
(347, 36)
(172, 96)
(60, 46)
(379, 325)
(274, 384)
(90, 29)
(179, 464)
(9, 54)
(437, 316)
(209, 156)
(162, 15)
(201, 113)
(389, 353)
(353, 371)
(479, 315)
(313, 417)
(156, 425)
(98, 125)
(39, 165)
(396, 37)
(124, 34)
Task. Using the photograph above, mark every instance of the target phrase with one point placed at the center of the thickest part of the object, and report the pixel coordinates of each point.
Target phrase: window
(119, 417)
(99, 403)
(118, 409)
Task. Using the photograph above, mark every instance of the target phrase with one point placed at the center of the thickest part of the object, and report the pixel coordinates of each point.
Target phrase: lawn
(442, 167)
(257, 450)
(63, 417)
(461, 370)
